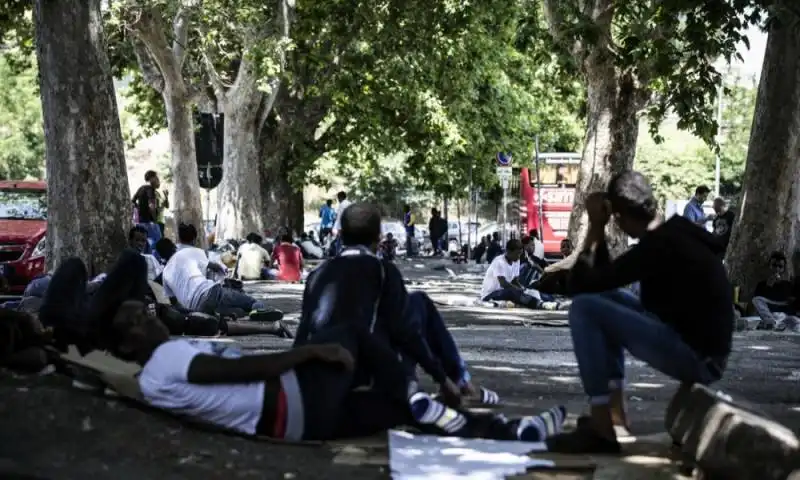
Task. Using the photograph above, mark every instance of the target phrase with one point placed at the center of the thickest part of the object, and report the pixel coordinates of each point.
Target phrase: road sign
(503, 159)
(504, 175)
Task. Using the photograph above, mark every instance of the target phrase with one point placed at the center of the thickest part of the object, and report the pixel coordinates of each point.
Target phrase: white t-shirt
(499, 268)
(164, 384)
(185, 277)
(252, 257)
(538, 249)
(339, 211)
(153, 267)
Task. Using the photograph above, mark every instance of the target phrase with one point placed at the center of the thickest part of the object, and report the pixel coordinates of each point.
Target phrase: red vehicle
(555, 186)
(23, 224)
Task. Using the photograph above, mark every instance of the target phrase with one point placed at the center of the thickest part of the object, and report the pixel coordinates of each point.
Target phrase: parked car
(23, 225)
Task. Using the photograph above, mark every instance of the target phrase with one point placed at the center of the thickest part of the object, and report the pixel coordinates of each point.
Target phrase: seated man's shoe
(583, 440)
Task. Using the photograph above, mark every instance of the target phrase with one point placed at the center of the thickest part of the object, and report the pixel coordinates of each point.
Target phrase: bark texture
(283, 203)
(614, 100)
(768, 218)
(87, 194)
(162, 68)
(609, 147)
(240, 205)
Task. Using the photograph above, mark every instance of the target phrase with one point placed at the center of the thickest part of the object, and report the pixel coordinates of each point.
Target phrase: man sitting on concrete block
(681, 325)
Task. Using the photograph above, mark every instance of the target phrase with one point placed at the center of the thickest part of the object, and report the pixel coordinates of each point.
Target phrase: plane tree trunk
(768, 216)
(162, 67)
(87, 195)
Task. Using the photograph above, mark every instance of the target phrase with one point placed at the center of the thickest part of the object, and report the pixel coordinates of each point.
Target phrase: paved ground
(60, 433)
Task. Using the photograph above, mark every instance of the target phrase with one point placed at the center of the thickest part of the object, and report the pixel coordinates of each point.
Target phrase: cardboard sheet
(413, 457)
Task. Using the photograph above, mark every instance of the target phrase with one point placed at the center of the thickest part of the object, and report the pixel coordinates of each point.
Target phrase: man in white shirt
(502, 278)
(137, 239)
(337, 226)
(185, 278)
(538, 245)
(253, 259)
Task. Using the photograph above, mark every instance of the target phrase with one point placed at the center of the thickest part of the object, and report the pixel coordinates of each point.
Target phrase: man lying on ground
(688, 340)
(358, 288)
(185, 280)
(301, 394)
(773, 295)
(309, 246)
(83, 320)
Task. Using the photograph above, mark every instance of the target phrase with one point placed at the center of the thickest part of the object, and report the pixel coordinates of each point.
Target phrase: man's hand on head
(598, 208)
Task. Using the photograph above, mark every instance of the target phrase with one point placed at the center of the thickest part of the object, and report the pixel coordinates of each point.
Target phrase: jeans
(603, 325)
(766, 307)
(421, 311)
(153, 235)
(528, 275)
(220, 299)
(409, 245)
(514, 295)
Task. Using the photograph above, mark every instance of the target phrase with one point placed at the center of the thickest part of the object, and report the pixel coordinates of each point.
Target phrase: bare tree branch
(556, 23)
(214, 78)
(150, 72)
(149, 28)
(180, 35)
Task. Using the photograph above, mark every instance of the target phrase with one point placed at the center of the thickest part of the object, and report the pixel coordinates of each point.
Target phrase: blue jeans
(514, 295)
(528, 275)
(603, 325)
(153, 235)
(222, 300)
(421, 311)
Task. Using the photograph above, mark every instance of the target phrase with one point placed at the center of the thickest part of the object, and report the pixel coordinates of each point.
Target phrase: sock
(488, 397)
(428, 411)
(539, 427)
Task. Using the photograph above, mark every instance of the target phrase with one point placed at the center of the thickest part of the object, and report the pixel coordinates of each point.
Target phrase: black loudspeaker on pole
(208, 138)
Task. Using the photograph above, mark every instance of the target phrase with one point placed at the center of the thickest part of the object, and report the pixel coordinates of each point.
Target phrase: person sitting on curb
(773, 295)
(688, 340)
(501, 281)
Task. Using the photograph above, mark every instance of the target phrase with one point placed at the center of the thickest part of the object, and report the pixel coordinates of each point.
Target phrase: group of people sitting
(352, 368)
(776, 299)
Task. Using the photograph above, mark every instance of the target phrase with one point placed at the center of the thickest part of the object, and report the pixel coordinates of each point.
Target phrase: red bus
(545, 200)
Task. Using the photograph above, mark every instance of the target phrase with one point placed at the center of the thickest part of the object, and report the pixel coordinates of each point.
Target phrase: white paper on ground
(417, 457)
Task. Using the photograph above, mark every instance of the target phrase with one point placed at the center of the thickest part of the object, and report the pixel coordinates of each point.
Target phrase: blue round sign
(504, 159)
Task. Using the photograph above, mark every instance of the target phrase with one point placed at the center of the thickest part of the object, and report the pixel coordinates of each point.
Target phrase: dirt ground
(50, 430)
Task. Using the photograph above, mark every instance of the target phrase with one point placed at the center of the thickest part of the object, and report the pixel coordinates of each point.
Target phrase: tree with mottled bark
(161, 53)
(89, 208)
(245, 95)
(642, 56)
(770, 208)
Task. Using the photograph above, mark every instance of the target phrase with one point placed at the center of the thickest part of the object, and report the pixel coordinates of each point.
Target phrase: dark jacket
(358, 287)
(682, 279)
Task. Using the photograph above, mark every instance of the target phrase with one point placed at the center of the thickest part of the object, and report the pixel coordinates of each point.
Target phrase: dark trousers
(422, 312)
(514, 295)
(84, 320)
(332, 409)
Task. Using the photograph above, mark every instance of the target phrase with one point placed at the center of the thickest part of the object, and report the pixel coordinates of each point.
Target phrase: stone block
(729, 439)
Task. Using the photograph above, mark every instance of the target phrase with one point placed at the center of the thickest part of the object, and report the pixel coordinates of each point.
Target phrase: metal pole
(720, 93)
(539, 204)
(469, 211)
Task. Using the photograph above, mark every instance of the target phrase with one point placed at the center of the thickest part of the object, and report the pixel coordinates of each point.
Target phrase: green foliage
(21, 135)
(682, 161)
(670, 47)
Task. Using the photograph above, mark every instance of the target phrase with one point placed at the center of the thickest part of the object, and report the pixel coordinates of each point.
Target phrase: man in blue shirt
(694, 209)
(327, 217)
